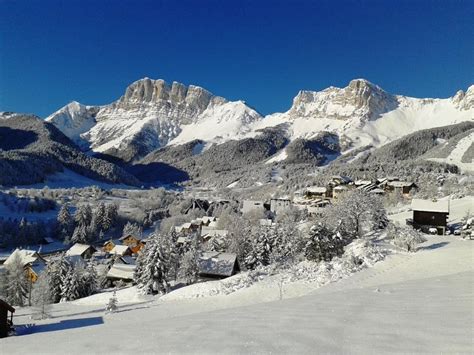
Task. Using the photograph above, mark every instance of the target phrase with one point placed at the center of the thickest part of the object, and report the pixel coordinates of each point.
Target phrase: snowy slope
(457, 153)
(410, 303)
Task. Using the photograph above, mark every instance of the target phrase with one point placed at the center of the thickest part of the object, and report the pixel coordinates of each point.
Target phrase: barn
(216, 265)
(430, 214)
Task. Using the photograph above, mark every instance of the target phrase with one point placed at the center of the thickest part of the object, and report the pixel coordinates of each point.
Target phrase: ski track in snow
(457, 153)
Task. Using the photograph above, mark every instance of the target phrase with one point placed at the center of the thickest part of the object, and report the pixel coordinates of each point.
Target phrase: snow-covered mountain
(152, 114)
(149, 115)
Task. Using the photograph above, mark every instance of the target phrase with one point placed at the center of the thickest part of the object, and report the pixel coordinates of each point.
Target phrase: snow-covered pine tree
(80, 234)
(112, 305)
(17, 285)
(132, 229)
(323, 244)
(152, 268)
(90, 278)
(71, 286)
(65, 221)
(41, 295)
(260, 250)
(99, 216)
(189, 267)
(83, 215)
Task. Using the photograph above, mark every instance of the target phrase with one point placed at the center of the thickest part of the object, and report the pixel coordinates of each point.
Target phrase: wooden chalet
(430, 214)
(401, 187)
(6, 322)
(216, 265)
(85, 251)
(317, 192)
(135, 243)
(110, 244)
(32, 262)
(121, 250)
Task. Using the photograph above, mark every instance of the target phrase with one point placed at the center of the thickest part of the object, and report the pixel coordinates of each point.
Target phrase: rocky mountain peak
(158, 92)
(360, 99)
(464, 100)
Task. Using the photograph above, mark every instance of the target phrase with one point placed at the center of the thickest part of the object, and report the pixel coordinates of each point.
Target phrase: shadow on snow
(61, 325)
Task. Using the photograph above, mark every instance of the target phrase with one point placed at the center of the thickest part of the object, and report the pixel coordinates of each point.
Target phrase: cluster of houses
(314, 199)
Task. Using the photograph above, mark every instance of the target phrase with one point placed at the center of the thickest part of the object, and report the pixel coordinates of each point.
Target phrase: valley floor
(420, 302)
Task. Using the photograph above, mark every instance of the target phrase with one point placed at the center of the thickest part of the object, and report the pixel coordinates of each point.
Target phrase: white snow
(409, 303)
(455, 157)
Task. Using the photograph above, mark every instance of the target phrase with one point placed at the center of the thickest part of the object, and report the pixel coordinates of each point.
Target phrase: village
(114, 260)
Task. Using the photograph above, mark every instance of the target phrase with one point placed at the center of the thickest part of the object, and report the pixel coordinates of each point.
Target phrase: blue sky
(263, 52)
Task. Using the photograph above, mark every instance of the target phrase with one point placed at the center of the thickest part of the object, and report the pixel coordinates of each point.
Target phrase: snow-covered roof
(213, 232)
(121, 271)
(430, 206)
(362, 182)
(78, 249)
(126, 259)
(26, 256)
(400, 183)
(317, 189)
(120, 250)
(341, 187)
(218, 264)
(113, 241)
(137, 237)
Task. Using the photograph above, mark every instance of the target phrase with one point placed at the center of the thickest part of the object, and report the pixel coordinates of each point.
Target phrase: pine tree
(323, 244)
(17, 284)
(151, 274)
(80, 234)
(100, 213)
(65, 221)
(41, 295)
(189, 265)
(132, 229)
(70, 287)
(111, 306)
(83, 215)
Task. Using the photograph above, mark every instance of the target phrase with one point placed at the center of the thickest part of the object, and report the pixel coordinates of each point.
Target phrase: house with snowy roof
(85, 251)
(401, 187)
(217, 265)
(31, 261)
(134, 242)
(429, 214)
(121, 272)
(110, 244)
(121, 250)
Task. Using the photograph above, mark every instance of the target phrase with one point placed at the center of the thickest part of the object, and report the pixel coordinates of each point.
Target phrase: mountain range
(160, 132)
(153, 114)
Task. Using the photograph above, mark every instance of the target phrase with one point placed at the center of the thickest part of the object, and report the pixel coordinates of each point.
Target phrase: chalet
(32, 262)
(135, 243)
(5, 323)
(121, 250)
(127, 260)
(214, 265)
(278, 205)
(337, 180)
(430, 214)
(110, 244)
(317, 192)
(253, 206)
(85, 251)
(188, 228)
(206, 231)
(121, 272)
(401, 187)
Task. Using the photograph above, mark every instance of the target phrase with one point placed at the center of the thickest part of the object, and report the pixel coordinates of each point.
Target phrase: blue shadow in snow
(61, 325)
(434, 246)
